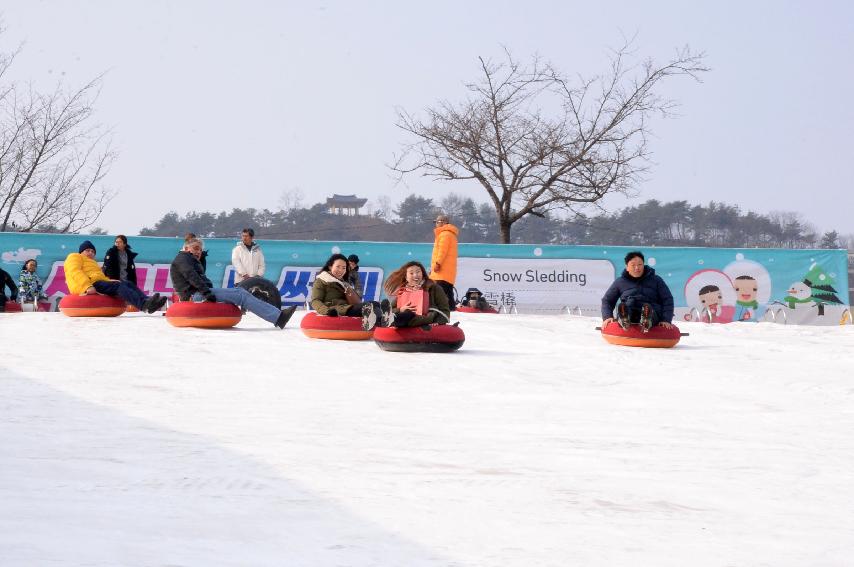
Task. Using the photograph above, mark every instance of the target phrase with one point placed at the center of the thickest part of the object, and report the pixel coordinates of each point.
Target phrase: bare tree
(291, 199)
(384, 207)
(537, 141)
(52, 158)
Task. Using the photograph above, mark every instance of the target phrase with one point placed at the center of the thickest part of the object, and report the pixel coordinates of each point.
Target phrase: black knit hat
(86, 245)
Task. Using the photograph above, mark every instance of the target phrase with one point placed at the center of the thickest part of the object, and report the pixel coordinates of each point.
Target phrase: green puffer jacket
(329, 294)
(438, 302)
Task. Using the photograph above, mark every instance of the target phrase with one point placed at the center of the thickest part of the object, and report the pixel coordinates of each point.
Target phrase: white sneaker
(369, 317)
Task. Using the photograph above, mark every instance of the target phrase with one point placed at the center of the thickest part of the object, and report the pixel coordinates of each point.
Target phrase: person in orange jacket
(443, 264)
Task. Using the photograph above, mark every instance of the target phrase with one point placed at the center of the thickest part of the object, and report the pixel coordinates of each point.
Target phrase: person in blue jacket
(643, 297)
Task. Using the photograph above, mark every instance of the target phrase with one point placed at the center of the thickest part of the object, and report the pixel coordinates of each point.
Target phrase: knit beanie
(85, 246)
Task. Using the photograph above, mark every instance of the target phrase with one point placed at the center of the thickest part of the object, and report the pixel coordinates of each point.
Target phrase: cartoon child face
(711, 299)
(745, 289)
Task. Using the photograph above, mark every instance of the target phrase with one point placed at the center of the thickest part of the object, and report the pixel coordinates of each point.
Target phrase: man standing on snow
(443, 264)
(247, 257)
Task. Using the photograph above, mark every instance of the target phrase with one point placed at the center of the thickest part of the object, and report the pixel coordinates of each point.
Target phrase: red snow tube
(339, 328)
(204, 315)
(15, 307)
(657, 337)
(440, 338)
(463, 309)
(92, 306)
(12, 307)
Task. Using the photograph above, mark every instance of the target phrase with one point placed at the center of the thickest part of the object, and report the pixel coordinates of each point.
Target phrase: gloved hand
(332, 313)
(209, 296)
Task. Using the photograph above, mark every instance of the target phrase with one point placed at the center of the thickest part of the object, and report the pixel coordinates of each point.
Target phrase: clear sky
(216, 105)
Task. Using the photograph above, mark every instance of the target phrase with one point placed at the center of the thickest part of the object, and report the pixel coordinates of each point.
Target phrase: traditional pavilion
(345, 205)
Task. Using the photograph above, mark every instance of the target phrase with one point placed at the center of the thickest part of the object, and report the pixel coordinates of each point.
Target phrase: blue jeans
(245, 300)
(126, 290)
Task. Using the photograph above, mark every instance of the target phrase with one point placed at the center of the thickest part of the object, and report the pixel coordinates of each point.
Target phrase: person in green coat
(332, 295)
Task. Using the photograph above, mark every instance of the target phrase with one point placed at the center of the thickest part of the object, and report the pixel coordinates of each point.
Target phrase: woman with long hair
(118, 261)
(416, 300)
(333, 296)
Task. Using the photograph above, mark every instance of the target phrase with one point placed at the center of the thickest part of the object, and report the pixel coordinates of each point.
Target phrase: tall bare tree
(53, 159)
(538, 141)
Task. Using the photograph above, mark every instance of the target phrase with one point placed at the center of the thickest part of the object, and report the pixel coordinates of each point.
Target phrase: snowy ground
(128, 442)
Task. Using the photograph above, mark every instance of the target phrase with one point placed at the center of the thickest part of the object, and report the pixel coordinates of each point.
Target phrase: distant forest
(651, 223)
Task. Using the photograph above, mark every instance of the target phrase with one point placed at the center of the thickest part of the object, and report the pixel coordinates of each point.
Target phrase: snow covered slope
(129, 442)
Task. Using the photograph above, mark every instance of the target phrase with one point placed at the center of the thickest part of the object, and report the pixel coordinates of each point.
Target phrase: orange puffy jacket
(444, 254)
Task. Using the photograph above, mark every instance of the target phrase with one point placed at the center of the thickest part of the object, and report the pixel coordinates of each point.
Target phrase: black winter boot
(646, 318)
(623, 317)
(285, 316)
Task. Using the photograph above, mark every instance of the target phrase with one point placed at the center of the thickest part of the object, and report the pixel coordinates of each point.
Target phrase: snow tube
(657, 337)
(92, 306)
(263, 289)
(463, 309)
(204, 315)
(12, 307)
(15, 307)
(339, 328)
(440, 338)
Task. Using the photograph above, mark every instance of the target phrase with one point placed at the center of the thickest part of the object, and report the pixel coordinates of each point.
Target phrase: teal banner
(719, 285)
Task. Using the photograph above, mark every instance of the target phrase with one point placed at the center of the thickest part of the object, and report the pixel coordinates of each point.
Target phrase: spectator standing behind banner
(6, 281)
(443, 264)
(30, 285)
(353, 274)
(247, 257)
(203, 259)
(118, 261)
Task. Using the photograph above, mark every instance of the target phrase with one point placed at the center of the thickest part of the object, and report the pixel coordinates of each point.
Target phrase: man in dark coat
(7, 281)
(191, 283)
(353, 274)
(644, 297)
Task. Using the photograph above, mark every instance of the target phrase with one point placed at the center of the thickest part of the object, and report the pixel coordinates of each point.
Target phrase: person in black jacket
(191, 283)
(644, 297)
(203, 259)
(118, 262)
(353, 274)
(7, 281)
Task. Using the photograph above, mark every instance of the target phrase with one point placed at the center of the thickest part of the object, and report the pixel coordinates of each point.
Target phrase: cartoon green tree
(821, 286)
